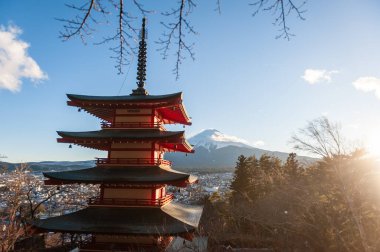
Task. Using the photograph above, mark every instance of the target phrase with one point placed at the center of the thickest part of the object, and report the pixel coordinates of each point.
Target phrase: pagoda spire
(141, 64)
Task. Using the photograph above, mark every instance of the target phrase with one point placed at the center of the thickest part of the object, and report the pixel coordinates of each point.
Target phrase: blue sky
(244, 82)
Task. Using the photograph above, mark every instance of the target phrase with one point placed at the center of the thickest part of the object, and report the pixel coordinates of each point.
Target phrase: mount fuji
(214, 139)
(217, 151)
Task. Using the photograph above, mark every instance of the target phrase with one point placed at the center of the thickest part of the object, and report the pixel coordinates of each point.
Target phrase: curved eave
(174, 114)
(169, 107)
(171, 219)
(133, 135)
(105, 114)
(103, 106)
(184, 146)
(124, 99)
(121, 175)
(173, 141)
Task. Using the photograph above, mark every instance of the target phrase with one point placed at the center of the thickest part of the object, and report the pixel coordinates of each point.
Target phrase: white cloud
(368, 84)
(15, 63)
(259, 143)
(313, 76)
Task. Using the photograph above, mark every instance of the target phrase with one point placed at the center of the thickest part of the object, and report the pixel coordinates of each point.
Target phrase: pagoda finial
(141, 64)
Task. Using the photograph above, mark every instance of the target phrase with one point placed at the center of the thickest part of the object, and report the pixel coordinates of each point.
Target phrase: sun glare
(373, 145)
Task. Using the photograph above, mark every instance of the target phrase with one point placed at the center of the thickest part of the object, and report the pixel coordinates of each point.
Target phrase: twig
(281, 9)
(176, 34)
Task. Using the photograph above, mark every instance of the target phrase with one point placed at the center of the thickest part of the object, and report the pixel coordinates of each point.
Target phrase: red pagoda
(133, 210)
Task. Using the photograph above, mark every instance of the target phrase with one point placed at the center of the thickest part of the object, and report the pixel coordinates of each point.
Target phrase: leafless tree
(11, 195)
(24, 197)
(324, 138)
(321, 137)
(177, 25)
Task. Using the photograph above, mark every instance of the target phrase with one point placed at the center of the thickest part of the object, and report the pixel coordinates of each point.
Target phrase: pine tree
(241, 181)
(266, 172)
(292, 168)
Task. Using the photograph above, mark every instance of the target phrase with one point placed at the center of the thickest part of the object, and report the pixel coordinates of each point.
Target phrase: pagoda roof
(170, 219)
(128, 134)
(127, 98)
(173, 140)
(121, 175)
(169, 106)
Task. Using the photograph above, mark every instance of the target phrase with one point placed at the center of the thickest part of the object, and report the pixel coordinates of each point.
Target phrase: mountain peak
(214, 139)
(208, 132)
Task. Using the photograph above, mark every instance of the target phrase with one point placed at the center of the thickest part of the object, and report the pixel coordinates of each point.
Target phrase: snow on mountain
(213, 139)
(215, 151)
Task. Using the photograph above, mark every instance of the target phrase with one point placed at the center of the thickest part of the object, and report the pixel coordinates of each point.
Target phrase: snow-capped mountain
(215, 151)
(214, 139)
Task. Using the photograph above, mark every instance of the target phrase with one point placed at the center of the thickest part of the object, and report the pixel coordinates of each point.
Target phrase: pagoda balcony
(130, 202)
(132, 125)
(132, 161)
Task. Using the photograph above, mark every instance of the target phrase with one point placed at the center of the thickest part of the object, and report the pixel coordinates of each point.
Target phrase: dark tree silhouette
(241, 181)
(177, 25)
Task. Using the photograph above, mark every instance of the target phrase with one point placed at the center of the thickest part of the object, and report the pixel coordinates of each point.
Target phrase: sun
(373, 144)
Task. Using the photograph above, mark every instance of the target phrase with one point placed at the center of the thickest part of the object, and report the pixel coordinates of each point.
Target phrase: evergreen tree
(265, 174)
(241, 181)
(292, 169)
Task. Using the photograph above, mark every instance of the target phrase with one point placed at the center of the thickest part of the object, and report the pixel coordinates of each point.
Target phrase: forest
(330, 205)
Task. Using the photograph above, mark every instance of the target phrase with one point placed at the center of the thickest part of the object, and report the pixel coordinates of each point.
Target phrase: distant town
(208, 184)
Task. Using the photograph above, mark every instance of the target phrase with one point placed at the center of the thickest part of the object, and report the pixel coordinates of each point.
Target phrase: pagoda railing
(131, 202)
(139, 125)
(133, 161)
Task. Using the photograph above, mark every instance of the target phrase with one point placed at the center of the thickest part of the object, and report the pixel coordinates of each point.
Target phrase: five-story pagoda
(133, 209)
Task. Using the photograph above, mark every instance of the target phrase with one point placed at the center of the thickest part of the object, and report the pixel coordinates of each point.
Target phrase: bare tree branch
(323, 138)
(141, 8)
(218, 7)
(176, 33)
(125, 32)
(79, 25)
(51, 193)
(281, 9)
